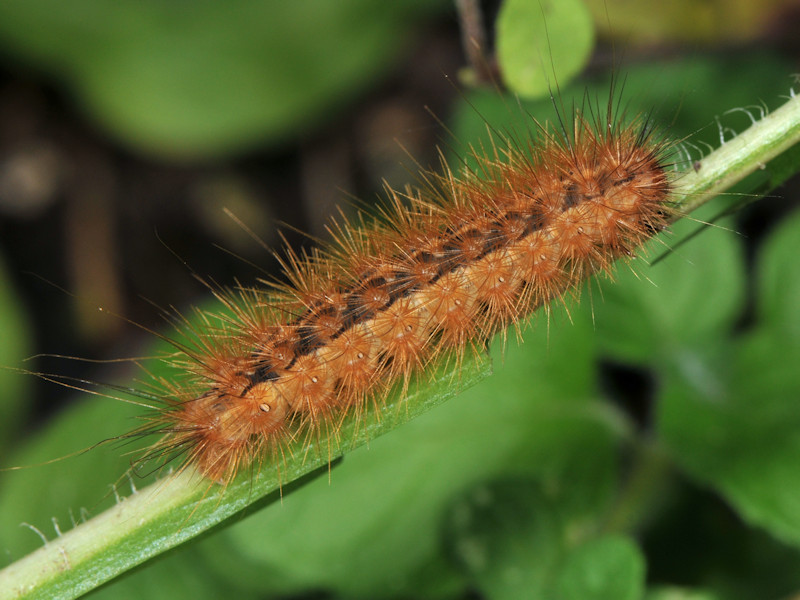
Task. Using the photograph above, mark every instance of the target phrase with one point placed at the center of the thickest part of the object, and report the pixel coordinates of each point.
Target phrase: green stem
(736, 159)
(650, 477)
(182, 506)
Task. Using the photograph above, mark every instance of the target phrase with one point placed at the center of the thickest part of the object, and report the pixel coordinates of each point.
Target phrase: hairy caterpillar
(449, 267)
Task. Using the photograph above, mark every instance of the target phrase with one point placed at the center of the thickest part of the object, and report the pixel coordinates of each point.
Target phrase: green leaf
(514, 541)
(779, 279)
(205, 79)
(509, 538)
(542, 44)
(733, 421)
(607, 568)
(730, 414)
(14, 347)
(650, 312)
(784, 166)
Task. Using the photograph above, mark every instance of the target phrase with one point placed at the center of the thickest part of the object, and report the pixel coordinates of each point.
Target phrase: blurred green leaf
(731, 417)
(606, 568)
(205, 79)
(509, 539)
(650, 313)
(514, 542)
(779, 280)
(178, 576)
(541, 44)
(14, 347)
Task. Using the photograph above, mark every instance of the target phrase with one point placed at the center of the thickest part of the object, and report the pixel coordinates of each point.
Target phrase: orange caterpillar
(443, 269)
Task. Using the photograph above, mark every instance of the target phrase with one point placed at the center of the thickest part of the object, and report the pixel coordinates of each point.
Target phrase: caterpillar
(442, 270)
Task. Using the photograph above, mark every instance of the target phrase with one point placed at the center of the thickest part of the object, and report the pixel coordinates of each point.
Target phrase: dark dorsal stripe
(507, 227)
